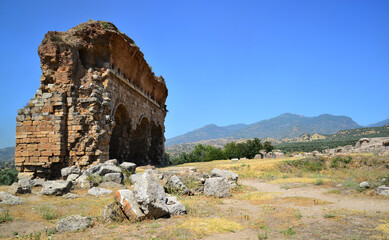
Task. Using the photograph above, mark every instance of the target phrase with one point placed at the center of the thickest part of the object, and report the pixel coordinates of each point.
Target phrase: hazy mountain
(292, 125)
(7, 154)
(379, 124)
(284, 126)
(207, 132)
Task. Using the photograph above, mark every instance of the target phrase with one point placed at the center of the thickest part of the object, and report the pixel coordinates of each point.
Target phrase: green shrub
(5, 216)
(329, 215)
(95, 178)
(338, 161)
(105, 25)
(47, 213)
(127, 174)
(288, 232)
(8, 176)
(318, 182)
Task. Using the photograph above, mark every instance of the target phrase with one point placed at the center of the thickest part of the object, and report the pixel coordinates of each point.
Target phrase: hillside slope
(379, 124)
(205, 133)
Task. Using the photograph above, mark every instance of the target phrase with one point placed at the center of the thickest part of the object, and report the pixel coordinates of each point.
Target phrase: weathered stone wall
(98, 100)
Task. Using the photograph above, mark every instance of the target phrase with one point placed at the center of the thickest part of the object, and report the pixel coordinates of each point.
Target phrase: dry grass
(383, 228)
(207, 226)
(299, 180)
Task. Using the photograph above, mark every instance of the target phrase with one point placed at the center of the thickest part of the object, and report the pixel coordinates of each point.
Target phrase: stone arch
(156, 152)
(119, 145)
(140, 142)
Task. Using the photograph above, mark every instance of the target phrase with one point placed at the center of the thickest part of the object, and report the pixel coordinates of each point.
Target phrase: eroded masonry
(98, 100)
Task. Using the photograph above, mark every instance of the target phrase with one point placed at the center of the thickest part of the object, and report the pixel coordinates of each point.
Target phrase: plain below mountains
(284, 126)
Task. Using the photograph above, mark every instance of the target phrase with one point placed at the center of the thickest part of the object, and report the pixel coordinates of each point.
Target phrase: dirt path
(360, 203)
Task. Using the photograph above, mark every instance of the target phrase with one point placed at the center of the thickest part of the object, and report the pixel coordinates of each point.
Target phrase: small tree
(268, 146)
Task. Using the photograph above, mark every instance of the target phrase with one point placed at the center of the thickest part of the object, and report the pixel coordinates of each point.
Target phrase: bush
(5, 216)
(8, 176)
(48, 213)
(95, 178)
(337, 161)
(318, 182)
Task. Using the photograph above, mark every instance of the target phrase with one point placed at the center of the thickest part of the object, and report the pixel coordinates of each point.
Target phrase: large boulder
(113, 162)
(174, 206)
(92, 170)
(278, 154)
(70, 196)
(217, 186)
(230, 176)
(175, 185)
(57, 188)
(73, 178)
(9, 199)
(98, 191)
(128, 204)
(65, 172)
(113, 212)
(37, 182)
(114, 177)
(107, 168)
(135, 177)
(364, 185)
(22, 186)
(84, 182)
(128, 166)
(73, 223)
(150, 196)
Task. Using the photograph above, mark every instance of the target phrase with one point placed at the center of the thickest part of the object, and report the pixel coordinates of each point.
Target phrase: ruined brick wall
(98, 100)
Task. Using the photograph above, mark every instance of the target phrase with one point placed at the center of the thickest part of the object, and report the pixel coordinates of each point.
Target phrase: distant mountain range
(286, 125)
(7, 154)
(379, 124)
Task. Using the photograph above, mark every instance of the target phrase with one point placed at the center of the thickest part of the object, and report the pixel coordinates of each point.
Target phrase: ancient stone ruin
(98, 100)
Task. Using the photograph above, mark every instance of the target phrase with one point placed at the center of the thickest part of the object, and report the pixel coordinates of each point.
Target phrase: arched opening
(119, 145)
(156, 152)
(140, 143)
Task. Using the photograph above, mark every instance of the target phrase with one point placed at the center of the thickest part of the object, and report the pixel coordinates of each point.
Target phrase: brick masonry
(98, 100)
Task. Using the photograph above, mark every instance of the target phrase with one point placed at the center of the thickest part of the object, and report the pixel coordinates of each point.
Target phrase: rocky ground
(284, 198)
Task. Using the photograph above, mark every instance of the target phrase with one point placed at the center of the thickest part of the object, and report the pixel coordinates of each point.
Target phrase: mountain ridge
(379, 124)
(286, 125)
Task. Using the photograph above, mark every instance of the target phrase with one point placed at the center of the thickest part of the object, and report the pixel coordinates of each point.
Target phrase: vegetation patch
(288, 232)
(8, 176)
(383, 228)
(5, 216)
(48, 212)
(206, 153)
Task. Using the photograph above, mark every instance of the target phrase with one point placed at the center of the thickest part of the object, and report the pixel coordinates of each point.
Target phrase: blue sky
(224, 62)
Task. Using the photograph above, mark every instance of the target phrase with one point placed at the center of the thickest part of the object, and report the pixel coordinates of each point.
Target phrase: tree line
(204, 153)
